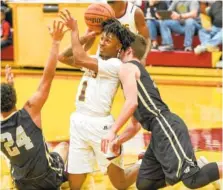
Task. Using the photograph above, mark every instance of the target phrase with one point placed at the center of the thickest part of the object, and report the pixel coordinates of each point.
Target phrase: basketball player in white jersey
(92, 119)
(130, 16)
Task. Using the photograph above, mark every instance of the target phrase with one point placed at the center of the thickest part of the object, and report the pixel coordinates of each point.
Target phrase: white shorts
(86, 133)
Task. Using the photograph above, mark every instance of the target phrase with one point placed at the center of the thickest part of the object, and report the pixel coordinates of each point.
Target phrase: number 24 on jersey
(21, 140)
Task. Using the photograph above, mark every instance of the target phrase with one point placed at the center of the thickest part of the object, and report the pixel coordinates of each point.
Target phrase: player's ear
(119, 53)
(129, 51)
(118, 45)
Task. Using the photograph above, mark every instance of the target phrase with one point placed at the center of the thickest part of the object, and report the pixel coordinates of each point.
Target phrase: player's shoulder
(113, 59)
(110, 61)
(129, 66)
(138, 11)
(114, 62)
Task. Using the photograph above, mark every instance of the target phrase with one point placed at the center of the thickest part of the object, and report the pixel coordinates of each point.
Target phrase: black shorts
(170, 155)
(50, 180)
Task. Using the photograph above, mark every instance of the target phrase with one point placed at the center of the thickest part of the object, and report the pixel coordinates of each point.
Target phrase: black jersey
(150, 103)
(23, 144)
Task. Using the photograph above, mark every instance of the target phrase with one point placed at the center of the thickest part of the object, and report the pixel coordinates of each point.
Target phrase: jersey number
(21, 140)
(83, 91)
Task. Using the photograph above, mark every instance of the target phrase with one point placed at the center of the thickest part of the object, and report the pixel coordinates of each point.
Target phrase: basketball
(96, 13)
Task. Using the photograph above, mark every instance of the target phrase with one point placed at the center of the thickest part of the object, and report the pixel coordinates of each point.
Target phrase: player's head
(8, 97)
(136, 50)
(114, 39)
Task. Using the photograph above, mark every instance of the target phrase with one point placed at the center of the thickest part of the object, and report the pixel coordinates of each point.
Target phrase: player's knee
(64, 145)
(144, 184)
(190, 182)
(120, 185)
(206, 175)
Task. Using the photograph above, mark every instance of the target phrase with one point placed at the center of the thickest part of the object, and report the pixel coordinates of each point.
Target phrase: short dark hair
(139, 46)
(121, 32)
(8, 97)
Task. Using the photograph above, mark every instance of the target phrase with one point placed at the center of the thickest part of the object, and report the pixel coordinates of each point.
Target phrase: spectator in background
(8, 12)
(184, 20)
(6, 37)
(211, 38)
(152, 18)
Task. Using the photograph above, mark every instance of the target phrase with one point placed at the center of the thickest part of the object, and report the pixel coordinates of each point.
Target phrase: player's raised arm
(81, 58)
(36, 102)
(66, 56)
(9, 75)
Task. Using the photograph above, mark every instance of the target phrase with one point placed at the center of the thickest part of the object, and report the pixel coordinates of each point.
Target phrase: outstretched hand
(69, 21)
(9, 75)
(57, 32)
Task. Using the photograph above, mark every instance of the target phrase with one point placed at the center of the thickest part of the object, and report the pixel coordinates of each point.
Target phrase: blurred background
(190, 82)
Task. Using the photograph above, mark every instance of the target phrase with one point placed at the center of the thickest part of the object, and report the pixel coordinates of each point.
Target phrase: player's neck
(134, 59)
(4, 115)
(104, 57)
(120, 8)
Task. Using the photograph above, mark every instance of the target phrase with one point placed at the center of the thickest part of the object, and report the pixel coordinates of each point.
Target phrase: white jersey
(128, 19)
(96, 92)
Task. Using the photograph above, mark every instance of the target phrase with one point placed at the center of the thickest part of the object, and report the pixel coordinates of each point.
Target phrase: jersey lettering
(83, 91)
(21, 140)
(126, 25)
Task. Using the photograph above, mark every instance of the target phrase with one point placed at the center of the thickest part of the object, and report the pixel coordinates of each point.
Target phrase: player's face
(109, 45)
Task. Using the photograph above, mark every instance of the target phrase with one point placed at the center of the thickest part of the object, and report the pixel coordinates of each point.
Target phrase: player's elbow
(79, 59)
(61, 58)
(138, 127)
(135, 128)
(133, 104)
